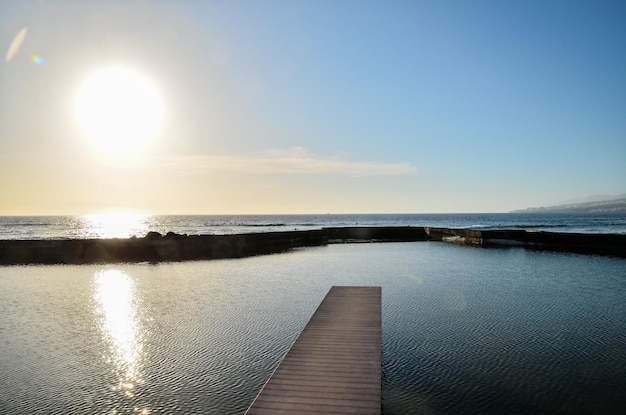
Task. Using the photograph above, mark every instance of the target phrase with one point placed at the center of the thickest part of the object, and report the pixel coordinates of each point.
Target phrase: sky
(278, 107)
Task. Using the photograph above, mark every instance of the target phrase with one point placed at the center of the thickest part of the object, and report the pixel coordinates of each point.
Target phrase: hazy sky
(316, 106)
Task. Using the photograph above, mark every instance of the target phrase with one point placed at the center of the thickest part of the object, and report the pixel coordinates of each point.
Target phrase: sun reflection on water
(115, 225)
(115, 297)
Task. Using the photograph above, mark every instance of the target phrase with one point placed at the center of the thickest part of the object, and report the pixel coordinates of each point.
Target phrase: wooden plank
(334, 366)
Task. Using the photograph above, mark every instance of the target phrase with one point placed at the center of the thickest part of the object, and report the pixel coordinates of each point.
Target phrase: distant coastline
(604, 206)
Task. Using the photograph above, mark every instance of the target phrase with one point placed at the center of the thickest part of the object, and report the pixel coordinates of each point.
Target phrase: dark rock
(153, 235)
(173, 235)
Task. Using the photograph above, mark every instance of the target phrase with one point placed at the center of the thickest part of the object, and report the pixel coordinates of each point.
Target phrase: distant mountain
(594, 198)
(591, 205)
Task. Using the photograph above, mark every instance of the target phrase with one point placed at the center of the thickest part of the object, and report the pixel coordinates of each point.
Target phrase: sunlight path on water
(115, 225)
(114, 294)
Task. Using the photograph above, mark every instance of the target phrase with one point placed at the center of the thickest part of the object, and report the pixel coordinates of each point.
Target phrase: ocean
(127, 225)
(466, 330)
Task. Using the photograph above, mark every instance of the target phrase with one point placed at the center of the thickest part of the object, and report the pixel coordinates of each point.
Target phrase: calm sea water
(126, 225)
(465, 330)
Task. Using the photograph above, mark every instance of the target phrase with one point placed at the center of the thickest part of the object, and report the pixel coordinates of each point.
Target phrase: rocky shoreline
(155, 247)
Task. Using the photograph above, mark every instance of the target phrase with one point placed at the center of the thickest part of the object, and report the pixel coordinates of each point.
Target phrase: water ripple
(464, 331)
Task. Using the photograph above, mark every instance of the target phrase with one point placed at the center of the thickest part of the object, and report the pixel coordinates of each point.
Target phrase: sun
(119, 110)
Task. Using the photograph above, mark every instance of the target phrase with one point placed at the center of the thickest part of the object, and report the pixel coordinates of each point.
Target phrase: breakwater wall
(155, 247)
(376, 234)
(583, 243)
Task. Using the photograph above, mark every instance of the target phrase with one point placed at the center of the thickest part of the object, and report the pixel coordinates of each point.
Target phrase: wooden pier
(334, 367)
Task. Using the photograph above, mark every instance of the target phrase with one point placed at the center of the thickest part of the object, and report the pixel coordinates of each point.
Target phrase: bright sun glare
(115, 225)
(119, 110)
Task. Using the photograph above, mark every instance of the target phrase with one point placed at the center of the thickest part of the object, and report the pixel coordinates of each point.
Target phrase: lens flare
(16, 44)
(37, 60)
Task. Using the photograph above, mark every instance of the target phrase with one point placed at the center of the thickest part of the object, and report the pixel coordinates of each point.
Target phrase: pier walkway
(334, 367)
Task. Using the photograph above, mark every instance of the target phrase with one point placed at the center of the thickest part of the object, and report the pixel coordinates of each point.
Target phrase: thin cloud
(293, 161)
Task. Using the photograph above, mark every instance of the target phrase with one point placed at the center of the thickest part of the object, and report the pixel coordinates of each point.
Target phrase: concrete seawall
(154, 248)
(583, 243)
(376, 234)
(172, 247)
